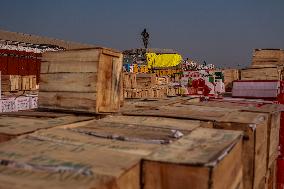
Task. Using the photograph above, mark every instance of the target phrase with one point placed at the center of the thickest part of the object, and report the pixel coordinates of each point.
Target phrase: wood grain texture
(52, 156)
(109, 83)
(254, 125)
(73, 55)
(272, 73)
(272, 111)
(69, 67)
(68, 82)
(68, 101)
(11, 127)
(189, 162)
(94, 70)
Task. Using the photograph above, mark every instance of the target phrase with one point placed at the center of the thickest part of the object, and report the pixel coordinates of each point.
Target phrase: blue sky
(221, 32)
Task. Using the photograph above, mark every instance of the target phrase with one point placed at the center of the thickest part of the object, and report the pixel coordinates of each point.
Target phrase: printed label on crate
(33, 102)
(23, 103)
(8, 105)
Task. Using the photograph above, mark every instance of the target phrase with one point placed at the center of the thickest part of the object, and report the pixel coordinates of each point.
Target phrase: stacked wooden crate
(83, 80)
(254, 125)
(14, 83)
(230, 75)
(267, 58)
(273, 112)
(28, 83)
(10, 83)
(146, 86)
(268, 73)
(267, 64)
(117, 153)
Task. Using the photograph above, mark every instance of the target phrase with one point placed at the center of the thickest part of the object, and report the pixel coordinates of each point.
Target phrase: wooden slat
(108, 84)
(78, 166)
(196, 161)
(71, 136)
(261, 74)
(72, 55)
(68, 82)
(69, 66)
(111, 53)
(11, 127)
(33, 114)
(161, 122)
(68, 101)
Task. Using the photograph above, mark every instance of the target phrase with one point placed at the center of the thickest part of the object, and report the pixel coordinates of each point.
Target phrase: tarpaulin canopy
(163, 60)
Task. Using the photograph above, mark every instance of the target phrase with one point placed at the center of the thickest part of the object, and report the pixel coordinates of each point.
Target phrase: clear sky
(221, 32)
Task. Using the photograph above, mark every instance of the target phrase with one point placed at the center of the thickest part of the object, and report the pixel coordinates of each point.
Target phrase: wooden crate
(19, 123)
(206, 158)
(10, 83)
(33, 82)
(273, 112)
(145, 80)
(271, 177)
(114, 157)
(269, 73)
(39, 163)
(141, 136)
(87, 80)
(129, 80)
(254, 126)
(129, 134)
(230, 75)
(267, 57)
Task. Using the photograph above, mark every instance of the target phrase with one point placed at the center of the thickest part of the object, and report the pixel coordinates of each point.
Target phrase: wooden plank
(33, 114)
(68, 82)
(253, 124)
(69, 66)
(109, 83)
(11, 127)
(85, 55)
(134, 104)
(268, 57)
(158, 122)
(68, 101)
(70, 135)
(111, 53)
(16, 179)
(196, 161)
(81, 165)
(261, 74)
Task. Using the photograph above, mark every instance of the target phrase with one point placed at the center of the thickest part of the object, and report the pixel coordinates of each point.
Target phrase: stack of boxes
(264, 80)
(146, 86)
